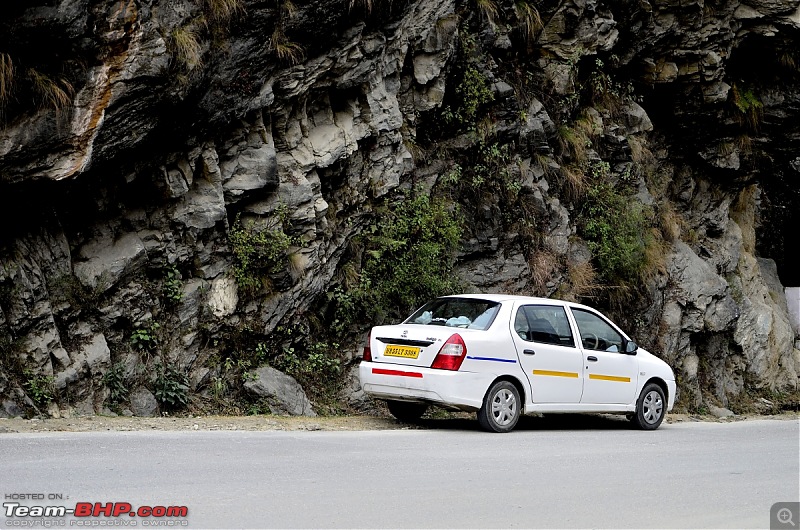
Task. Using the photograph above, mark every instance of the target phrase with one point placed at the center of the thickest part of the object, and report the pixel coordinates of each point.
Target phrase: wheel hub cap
(504, 407)
(652, 407)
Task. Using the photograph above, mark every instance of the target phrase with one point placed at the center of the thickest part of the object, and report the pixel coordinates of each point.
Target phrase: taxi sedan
(502, 356)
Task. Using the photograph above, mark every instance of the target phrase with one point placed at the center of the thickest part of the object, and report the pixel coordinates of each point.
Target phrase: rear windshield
(456, 312)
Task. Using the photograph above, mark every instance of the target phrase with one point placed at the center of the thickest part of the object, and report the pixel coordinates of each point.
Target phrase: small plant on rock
(259, 252)
(173, 286)
(145, 338)
(171, 388)
(40, 388)
(114, 379)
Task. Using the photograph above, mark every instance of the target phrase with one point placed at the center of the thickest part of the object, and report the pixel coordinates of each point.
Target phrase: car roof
(516, 297)
(506, 297)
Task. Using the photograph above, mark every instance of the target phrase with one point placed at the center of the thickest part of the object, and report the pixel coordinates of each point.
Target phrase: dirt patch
(322, 423)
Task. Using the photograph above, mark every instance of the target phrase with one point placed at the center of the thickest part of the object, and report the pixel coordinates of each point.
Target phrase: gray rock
(204, 204)
(107, 261)
(10, 409)
(492, 275)
(92, 359)
(793, 307)
(696, 282)
(720, 412)
(283, 393)
(143, 403)
(636, 118)
(252, 169)
(352, 393)
(223, 297)
(764, 331)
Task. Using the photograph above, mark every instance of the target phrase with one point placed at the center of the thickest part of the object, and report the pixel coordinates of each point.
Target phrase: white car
(503, 356)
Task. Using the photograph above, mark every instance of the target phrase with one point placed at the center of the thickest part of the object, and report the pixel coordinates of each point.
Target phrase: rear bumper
(464, 390)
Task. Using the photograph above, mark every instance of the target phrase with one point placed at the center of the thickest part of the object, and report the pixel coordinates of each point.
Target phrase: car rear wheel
(651, 407)
(501, 408)
(406, 411)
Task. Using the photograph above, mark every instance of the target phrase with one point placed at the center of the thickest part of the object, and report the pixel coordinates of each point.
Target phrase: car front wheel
(651, 407)
(501, 408)
(407, 411)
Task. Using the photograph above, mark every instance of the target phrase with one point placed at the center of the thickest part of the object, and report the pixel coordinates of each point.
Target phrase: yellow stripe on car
(610, 378)
(555, 373)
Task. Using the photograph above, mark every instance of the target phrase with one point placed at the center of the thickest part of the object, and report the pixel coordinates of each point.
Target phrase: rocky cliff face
(194, 189)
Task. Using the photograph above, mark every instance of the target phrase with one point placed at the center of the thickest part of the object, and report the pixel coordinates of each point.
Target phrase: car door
(610, 376)
(547, 352)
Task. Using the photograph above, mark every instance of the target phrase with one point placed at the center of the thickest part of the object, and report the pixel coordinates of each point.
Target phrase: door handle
(591, 358)
(529, 352)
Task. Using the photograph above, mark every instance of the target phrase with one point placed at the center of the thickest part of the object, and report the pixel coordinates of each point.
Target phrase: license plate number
(407, 352)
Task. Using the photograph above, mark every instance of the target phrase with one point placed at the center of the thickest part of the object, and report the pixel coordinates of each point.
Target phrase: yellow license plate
(407, 352)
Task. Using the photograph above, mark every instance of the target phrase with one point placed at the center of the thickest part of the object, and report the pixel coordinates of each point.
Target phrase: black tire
(501, 408)
(406, 411)
(651, 407)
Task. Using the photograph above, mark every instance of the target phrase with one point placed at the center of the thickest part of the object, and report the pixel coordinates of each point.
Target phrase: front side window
(543, 323)
(468, 313)
(596, 333)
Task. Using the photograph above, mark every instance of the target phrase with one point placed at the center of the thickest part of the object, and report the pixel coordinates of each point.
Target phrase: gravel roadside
(324, 423)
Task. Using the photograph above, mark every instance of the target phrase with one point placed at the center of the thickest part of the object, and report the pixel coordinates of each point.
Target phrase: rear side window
(468, 313)
(544, 323)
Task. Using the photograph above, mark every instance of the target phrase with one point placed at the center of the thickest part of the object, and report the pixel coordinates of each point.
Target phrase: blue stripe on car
(491, 359)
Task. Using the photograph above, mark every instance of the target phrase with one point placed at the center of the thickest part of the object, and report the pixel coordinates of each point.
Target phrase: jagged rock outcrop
(201, 139)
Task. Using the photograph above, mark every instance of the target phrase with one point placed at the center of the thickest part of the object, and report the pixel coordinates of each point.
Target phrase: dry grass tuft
(543, 264)
(530, 18)
(489, 10)
(54, 93)
(574, 182)
(6, 78)
(297, 264)
(640, 154)
(582, 279)
(223, 10)
(655, 255)
(367, 5)
(670, 221)
(284, 49)
(587, 127)
(744, 143)
(186, 47)
(574, 143)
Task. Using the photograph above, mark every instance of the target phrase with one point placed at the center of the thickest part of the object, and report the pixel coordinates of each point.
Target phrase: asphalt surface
(546, 474)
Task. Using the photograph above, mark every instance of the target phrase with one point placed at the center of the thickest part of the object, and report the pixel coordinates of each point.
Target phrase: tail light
(451, 355)
(367, 355)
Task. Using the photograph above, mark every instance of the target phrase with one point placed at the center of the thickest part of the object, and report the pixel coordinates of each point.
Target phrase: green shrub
(471, 93)
(171, 388)
(173, 286)
(320, 361)
(258, 252)
(751, 109)
(471, 89)
(616, 230)
(114, 379)
(409, 257)
(40, 388)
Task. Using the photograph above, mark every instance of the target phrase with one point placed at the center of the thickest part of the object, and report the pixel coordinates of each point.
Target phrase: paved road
(592, 474)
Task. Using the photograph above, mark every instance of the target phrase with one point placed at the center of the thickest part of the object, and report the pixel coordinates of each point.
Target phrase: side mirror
(629, 348)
